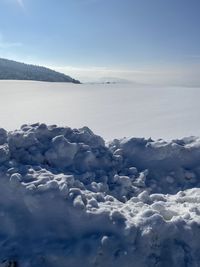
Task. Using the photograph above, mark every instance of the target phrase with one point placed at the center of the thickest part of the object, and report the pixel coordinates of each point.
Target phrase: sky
(148, 41)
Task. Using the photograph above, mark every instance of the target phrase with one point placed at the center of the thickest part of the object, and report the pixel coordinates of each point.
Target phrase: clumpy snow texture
(67, 199)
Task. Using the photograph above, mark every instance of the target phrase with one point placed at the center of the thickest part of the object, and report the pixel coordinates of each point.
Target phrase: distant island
(13, 70)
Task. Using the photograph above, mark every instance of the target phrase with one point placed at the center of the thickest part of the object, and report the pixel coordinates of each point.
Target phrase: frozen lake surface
(110, 110)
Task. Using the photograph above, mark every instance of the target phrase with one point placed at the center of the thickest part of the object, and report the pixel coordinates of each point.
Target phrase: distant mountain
(12, 70)
(113, 80)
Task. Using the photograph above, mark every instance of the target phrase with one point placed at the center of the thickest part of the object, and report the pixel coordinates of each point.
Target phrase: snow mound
(67, 198)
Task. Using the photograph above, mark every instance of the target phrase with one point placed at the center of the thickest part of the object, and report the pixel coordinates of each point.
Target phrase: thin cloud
(193, 56)
(97, 69)
(5, 45)
(21, 3)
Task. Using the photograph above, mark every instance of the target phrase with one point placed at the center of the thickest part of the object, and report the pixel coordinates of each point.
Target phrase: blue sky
(142, 40)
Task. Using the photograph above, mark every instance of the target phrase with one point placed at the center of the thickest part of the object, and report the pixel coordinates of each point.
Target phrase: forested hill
(12, 70)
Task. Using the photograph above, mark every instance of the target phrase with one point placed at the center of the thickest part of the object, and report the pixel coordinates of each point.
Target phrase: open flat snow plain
(110, 110)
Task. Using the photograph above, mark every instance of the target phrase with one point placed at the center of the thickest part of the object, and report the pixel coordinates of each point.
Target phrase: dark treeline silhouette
(12, 70)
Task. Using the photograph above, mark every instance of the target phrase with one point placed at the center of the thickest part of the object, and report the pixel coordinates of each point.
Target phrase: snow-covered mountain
(12, 70)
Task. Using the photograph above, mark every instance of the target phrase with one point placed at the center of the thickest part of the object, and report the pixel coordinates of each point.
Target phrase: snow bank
(68, 199)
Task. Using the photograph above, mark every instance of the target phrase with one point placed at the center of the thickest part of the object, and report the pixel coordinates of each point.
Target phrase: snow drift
(68, 199)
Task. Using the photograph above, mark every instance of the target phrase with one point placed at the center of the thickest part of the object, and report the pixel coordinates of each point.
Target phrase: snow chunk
(62, 152)
(4, 153)
(132, 201)
(3, 136)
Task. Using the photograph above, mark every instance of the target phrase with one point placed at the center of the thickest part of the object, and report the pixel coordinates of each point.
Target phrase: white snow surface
(67, 199)
(111, 110)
